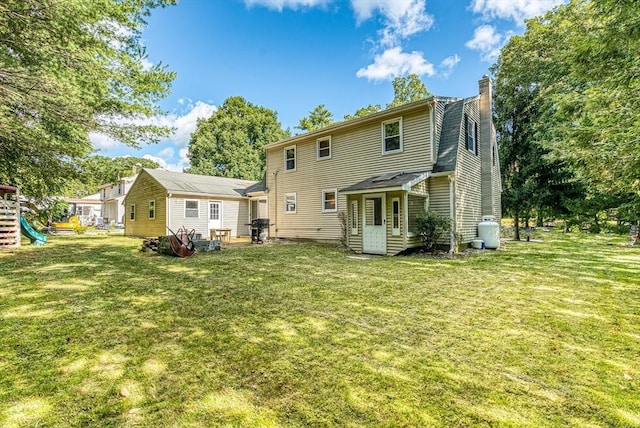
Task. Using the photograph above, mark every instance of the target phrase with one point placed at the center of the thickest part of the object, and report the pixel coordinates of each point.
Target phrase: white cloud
(186, 124)
(281, 4)
(401, 18)
(448, 64)
(103, 142)
(183, 125)
(393, 63)
(487, 41)
(516, 10)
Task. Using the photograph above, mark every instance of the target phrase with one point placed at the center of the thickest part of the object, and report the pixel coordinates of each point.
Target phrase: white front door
(374, 224)
(215, 214)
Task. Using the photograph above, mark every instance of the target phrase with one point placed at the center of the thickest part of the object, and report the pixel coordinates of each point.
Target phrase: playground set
(12, 222)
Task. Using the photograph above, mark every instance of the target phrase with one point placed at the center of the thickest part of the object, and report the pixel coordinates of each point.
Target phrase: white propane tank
(489, 232)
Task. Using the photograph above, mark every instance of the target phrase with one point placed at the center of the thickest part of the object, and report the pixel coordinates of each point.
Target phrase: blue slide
(35, 237)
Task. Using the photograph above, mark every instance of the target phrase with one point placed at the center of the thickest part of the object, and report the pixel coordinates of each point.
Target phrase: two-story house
(367, 179)
(112, 197)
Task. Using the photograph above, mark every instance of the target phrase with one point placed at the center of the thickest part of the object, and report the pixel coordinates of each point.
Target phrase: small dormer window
(392, 136)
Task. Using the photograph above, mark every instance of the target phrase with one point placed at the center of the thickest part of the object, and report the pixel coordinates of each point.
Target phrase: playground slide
(35, 237)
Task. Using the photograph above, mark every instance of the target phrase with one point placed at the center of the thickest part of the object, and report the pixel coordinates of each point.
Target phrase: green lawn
(96, 333)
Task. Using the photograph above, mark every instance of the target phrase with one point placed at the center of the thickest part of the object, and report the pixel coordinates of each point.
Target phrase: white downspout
(452, 212)
(168, 208)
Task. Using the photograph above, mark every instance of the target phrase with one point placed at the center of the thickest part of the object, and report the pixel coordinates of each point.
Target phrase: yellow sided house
(366, 179)
(160, 201)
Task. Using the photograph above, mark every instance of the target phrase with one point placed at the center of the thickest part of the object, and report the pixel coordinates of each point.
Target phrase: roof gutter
(431, 101)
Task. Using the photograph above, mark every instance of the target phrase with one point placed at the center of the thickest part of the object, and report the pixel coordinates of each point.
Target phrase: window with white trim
(152, 209)
(330, 201)
(290, 205)
(191, 209)
(471, 134)
(323, 146)
(132, 212)
(392, 136)
(290, 158)
(395, 216)
(354, 217)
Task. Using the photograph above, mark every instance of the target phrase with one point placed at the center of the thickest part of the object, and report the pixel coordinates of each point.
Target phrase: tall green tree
(579, 66)
(318, 118)
(67, 69)
(94, 171)
(364, 111)
(408, 89)
(231, 142)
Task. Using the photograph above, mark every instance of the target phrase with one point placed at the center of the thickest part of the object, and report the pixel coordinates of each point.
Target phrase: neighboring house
(380, 171)
(161, 201)
(88, 208)
(112, 195)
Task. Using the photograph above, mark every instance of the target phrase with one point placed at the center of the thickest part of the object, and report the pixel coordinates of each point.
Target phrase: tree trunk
(516, 225)
(540, 222)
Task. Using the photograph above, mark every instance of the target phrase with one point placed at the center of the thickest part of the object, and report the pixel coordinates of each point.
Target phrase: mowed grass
(96, 333)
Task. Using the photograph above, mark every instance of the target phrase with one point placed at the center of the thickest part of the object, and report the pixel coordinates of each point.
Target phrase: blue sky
(292, 55)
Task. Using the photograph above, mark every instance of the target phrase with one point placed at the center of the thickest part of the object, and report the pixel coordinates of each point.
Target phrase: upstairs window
(324, 148)
(392, 136)
(471, 133)
(290, 158)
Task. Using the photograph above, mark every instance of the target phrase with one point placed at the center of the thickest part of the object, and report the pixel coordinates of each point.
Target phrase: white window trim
(395, 231)
(318, 141)
(388, 152)
(152, 201)
(132, 210)
(324, 193)
(295, 202)
(185, 208)
(354, 217)
(295, 158)
(471, 128)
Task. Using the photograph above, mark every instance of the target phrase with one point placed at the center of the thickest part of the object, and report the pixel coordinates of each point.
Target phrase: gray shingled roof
(260, 186)
(178, 182)
(449, 137)
(386, 181)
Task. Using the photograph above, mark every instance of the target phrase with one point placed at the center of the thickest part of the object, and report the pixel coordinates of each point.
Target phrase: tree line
(566, 107)
(567, 110)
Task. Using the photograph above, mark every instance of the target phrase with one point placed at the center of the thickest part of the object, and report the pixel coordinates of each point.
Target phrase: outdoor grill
(259, 230)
